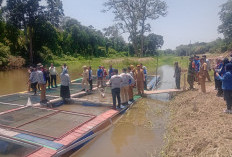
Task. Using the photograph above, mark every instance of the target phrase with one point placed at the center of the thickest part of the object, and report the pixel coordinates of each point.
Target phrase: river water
(140, 132)
(14, 81)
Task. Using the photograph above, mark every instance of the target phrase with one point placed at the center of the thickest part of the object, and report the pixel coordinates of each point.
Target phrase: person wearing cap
(99, 77)
(227, 86)
(65, 82)
(145, 75)
(177, 75)
(42, 83)
(85, 79)
(115, 82)
(53, 73)
(139, 78)
(191, 72)
(33, 80)
(202, 74)
(124, 91)
(208, 68)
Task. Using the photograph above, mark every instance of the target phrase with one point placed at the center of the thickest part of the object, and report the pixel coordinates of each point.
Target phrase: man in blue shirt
(100, 77)
(227, 86)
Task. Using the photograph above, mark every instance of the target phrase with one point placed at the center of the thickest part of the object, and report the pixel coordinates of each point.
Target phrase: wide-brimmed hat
(39, 65)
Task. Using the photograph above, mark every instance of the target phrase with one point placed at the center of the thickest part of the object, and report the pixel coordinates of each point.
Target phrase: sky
(187, 20)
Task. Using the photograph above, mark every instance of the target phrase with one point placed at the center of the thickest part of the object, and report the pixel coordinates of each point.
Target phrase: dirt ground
(198, 126)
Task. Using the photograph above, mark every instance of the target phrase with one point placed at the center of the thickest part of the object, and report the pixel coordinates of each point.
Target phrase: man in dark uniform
(191, 73)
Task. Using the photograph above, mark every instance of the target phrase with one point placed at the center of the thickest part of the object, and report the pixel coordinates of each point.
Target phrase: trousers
(124, 94)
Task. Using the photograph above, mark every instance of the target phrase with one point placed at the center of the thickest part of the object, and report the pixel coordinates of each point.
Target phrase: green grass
(124, 62)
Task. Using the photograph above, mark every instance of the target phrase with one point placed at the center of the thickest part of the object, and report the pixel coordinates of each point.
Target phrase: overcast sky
(187, 20)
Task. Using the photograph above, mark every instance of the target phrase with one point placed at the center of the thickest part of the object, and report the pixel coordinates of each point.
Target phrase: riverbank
(13, 81)
(198, 126)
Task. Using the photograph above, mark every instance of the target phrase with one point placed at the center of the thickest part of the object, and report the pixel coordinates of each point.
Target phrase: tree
(115, 39)
(132, 17)
(152, 43)
(226, 16)
(24, 15)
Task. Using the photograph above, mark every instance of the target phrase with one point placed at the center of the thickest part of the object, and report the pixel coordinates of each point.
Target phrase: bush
(4, 53)
(16, 61)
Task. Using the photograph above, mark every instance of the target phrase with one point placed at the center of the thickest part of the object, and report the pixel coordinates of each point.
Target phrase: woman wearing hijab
(227, 86)
(65, 82)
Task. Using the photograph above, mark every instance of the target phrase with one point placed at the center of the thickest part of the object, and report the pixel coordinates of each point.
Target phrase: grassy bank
(197, 125)
(119, 63)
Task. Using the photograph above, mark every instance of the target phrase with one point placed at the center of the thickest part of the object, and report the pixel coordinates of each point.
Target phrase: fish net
(13, 148)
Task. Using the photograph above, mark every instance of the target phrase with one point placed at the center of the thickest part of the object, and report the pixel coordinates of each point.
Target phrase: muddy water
(139, 133)
(16, 80)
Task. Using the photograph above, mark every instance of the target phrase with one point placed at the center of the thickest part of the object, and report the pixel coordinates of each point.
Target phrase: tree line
(39, 31)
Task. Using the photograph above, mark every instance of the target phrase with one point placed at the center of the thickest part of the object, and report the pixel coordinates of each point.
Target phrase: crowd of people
(122, 85)
(198, 71)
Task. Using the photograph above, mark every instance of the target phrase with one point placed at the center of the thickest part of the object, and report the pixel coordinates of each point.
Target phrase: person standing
(115, 83)
(140, 78)
(65, 82)
(124, 92)
(221, 73)
(53, 74)
(99, 77)
(47, 76)
(191, 72)
(227, 86)
(104, 76)
(208, 68)
(202, 74)
(42, 83)
(90, 78)
(111, 71)
(29, 82)
(131, 85)
(177, 75)
(85, 79)
(217, 69)
(145, 75)
(33, 80)
(197, 68)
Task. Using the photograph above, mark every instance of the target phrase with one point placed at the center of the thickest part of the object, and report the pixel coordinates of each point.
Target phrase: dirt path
(198, 126)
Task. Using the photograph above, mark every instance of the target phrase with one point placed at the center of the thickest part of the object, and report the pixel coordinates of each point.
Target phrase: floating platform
(162, 91)
(36, 131)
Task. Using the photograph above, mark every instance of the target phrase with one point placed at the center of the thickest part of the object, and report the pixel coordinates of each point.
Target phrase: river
(14, 81)
(140, 132)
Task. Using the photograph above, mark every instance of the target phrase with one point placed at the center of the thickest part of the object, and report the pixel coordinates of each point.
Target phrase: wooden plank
(161, 91)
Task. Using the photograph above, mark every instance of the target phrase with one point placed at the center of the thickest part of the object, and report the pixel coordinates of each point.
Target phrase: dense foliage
(40, 32)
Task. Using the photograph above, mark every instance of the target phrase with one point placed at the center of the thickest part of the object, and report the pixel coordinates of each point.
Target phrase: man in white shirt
(124, 92)
(53, 74)
(115, 82)
(42, 83)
